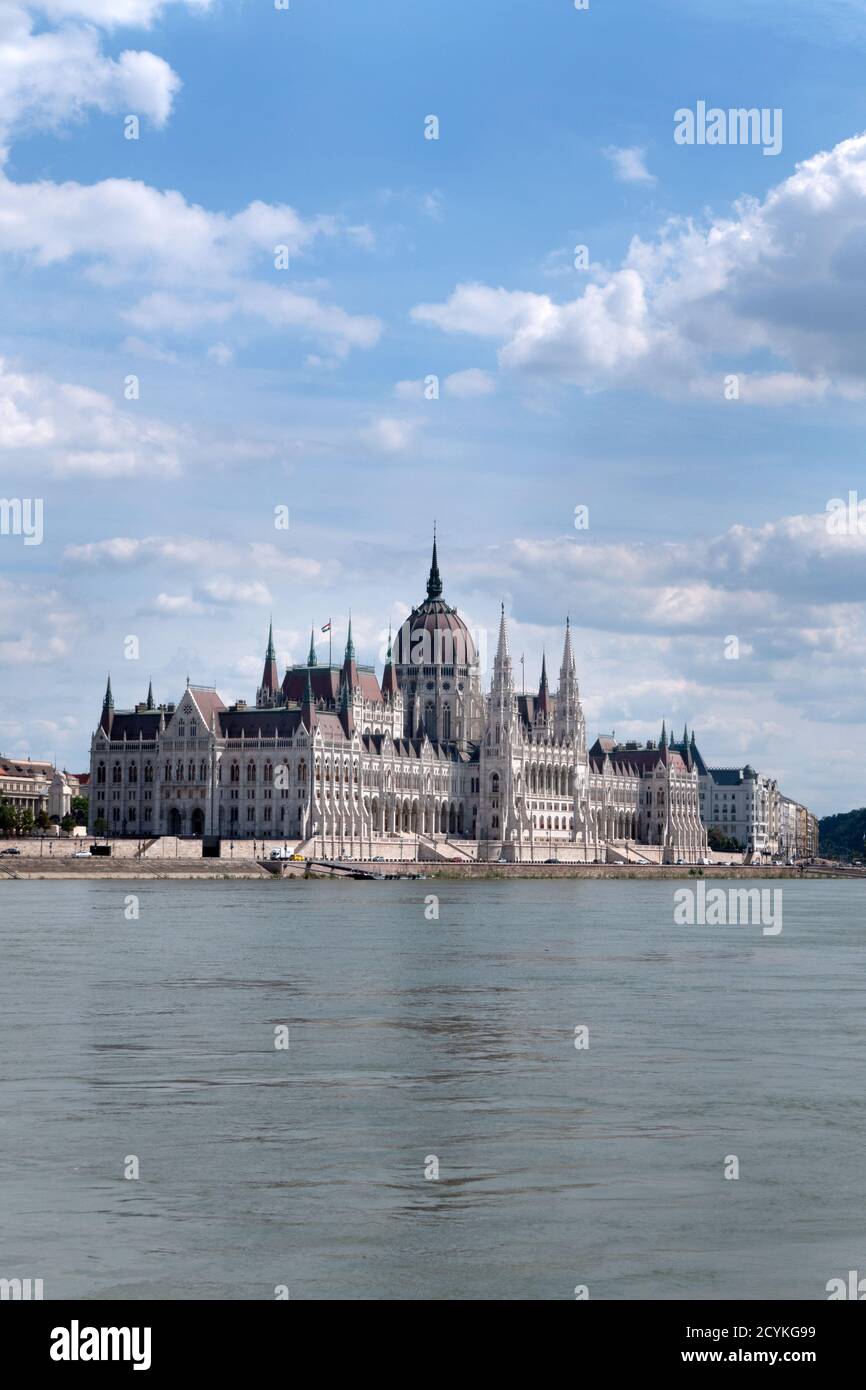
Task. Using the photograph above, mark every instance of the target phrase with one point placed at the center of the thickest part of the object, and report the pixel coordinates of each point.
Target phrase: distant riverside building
(39, 786)
(24, 784)
(334, 755)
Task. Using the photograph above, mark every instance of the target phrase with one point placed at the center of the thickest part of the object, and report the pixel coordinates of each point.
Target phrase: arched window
(251, 771)
(148, 772)
(494, 784)
(100, 774)
(190, 772)
(133, 774)
(168, 772)
(179, 771)
(202, 771)
(181, 730)
(116, 774)
(446, 722)
(302, 771)
(269, 771)
(192, 728)
(235, 774)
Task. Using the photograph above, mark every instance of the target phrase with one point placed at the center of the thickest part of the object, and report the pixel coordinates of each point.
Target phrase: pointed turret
(434, 582)
(150, 704)
(502, 686)
(270, 678)
(311, 659)
(542, 704)
(308, 706)
(502, 652)
(663, 741)
(685, 735)
(350, 669)
(389, 678)
(107, 718)
(569, 715)
(347, 714)
(567, 668)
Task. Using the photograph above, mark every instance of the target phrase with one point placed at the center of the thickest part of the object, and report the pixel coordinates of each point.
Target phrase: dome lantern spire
(434, 581)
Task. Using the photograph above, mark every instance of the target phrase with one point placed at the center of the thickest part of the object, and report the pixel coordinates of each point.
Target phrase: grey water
(265, 1168)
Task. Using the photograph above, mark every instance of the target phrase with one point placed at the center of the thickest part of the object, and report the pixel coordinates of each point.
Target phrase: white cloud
(54, 76)
(124, 552)
(126, 231)
(107, 13)
(389, 435)
(472, 382)
(278, 308)
(629, 164)
(221, 354)
(75, 430)
(36, 626)
(173, 604)
(224, 590)
(268, 557)
(785, 277)
(409, 390)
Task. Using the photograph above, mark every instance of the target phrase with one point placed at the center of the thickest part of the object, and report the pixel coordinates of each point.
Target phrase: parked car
(81, 854)
(299, 858)
(551, 861)
(281, 854)
(378, 859)
(11, 850)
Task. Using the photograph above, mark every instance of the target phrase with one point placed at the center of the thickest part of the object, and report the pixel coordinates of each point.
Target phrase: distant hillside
(841, 837)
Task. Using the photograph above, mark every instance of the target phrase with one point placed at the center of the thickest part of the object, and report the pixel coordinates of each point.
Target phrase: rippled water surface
(410, 1038)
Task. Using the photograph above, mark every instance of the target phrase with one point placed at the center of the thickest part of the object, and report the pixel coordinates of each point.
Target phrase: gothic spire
(107, 718)
(502, 653)
(270, 676)
(308, 707)
(389, 678)
(663, 741)
(150, 704)
(434, 582)
(350, 669)
(543, 702)
(311, 659)
(567, 668)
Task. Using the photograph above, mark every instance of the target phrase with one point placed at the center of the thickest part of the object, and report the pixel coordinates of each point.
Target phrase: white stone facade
(335, 759)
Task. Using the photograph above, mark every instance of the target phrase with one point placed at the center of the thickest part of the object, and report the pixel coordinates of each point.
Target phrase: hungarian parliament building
(336, 761)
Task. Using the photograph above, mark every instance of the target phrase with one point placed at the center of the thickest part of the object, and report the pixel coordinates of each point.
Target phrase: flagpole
(330, 630)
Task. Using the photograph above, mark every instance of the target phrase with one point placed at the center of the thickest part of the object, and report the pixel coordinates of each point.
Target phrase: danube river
(148, 1044)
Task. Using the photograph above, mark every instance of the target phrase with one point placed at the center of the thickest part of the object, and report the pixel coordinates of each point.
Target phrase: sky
(283, 299)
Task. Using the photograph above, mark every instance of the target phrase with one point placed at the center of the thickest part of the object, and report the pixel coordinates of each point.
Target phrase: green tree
(101, 826)
(42, 821)
(724, 844)
(78, 808)
(843, 836)
(26, 822)
(8, 818)
(67, 824)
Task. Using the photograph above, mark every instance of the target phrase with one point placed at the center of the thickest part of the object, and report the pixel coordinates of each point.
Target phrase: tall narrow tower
(269, 688)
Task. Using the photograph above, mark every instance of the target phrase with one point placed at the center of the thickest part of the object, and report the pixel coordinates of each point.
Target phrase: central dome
(434, 634)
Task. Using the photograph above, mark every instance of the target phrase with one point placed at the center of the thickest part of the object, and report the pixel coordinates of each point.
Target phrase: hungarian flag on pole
(327, 627)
